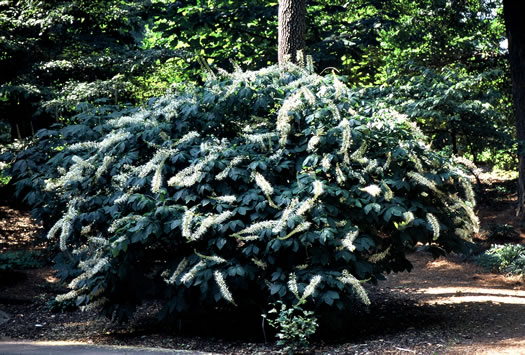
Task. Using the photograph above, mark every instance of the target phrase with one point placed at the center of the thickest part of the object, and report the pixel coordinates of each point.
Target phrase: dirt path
(17, 229)
(480, 313)
(65, 348)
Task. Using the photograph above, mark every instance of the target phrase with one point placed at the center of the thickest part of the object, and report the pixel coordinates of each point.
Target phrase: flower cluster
(349, 279)
(309, 204)
(225, 292)
(64, 224)
(190, 175)
(348, 240)
(236, 161)
(206, 223)
(190, 275)
(263, 184)
(310, 288)
(182, 265)
(434, 224)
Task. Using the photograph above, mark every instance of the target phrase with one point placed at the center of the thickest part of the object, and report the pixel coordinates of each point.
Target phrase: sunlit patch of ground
(486, 311)
(17, 229)
(511, 346)
(446, 295)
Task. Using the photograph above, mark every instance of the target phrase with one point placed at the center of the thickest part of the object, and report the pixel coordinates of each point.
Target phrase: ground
(445, 306)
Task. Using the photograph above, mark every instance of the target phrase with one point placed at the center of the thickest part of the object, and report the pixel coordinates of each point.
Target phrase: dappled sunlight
(444, 264)
(460, 278)
(52, 279)
(448, 295)
(459, 290)
(511, 346)
(58, 343)
(452, 272)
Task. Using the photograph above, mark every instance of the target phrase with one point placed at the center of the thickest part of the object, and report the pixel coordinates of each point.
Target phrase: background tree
(516, 42)
(417, 51)
(292, 17)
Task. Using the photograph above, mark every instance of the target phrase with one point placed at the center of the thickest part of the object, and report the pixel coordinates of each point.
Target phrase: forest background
(443, 63)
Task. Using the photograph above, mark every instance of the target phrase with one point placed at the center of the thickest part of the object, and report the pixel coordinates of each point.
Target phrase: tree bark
(292, 18)
(512, 13)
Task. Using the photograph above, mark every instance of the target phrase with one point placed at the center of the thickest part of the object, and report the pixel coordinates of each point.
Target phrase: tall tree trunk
(292, 17)
(513, 14)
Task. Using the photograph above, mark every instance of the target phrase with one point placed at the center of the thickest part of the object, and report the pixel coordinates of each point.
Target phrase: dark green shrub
(256, 187)
(501, 233)
(20, 260)
(68, 305)
(505, 258)
(28, 163)
(453, 107)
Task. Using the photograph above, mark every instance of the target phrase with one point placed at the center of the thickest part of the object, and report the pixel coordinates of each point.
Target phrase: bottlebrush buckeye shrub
(278, 184)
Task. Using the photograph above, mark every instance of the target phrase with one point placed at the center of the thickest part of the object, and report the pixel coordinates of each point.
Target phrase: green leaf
(329, 297)
(372, 206)
(275, 288)
(394, 210)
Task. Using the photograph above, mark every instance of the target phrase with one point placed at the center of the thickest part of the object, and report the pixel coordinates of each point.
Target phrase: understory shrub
(505, 258)
(453, 107)
(20, 260)
(501, 233)
(256, 187)
(294, 325)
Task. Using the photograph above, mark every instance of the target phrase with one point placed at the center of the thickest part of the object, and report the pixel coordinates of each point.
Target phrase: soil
(444, 306)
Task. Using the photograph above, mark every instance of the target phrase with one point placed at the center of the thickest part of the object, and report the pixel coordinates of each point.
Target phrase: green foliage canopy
(436, 51)
(57, 54)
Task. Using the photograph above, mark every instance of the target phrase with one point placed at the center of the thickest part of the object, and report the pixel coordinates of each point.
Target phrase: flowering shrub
(256, 187)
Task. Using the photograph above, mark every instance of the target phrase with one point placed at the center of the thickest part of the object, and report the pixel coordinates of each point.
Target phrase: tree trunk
(512, 12)
(292, 17)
